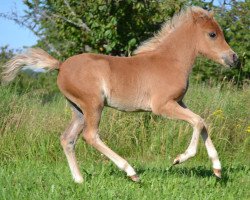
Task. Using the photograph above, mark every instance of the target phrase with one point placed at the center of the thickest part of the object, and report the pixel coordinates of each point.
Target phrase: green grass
(33, 166)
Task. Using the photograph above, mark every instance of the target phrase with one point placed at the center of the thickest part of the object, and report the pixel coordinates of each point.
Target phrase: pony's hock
(154, 79)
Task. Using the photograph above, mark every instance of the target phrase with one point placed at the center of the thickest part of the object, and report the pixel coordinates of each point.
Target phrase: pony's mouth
(228, 63)
(230, 60)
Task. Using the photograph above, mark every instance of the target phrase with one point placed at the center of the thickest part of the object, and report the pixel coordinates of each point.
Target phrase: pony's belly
(129, 104)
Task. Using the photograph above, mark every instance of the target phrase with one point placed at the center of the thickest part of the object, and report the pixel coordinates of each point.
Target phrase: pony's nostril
(235, 58)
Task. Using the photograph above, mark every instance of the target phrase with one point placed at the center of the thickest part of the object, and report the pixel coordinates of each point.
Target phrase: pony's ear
(199, 15)
(195, 16)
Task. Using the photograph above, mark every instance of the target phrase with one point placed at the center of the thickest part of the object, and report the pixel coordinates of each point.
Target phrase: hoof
(135, 178)
(78, 180)
(217, 173)
(176, 161)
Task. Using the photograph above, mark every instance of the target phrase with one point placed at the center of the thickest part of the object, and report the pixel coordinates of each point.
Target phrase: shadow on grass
(200, 172)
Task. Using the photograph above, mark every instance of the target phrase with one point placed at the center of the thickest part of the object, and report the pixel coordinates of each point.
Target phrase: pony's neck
(180, 45)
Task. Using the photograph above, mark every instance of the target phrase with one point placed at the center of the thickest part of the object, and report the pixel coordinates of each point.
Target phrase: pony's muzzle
(230, 59)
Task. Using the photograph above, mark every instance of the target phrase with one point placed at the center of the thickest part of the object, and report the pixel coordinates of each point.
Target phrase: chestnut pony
(154, 79)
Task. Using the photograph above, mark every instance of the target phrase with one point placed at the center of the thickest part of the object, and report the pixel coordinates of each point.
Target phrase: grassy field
(33, 165)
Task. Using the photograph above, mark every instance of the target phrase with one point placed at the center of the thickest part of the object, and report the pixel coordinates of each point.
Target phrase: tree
(69, 27)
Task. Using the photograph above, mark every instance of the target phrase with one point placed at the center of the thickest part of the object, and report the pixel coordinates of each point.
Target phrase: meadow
(33, 165)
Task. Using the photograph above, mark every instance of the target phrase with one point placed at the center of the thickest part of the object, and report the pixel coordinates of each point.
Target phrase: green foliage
(116, 27)
(5, 54)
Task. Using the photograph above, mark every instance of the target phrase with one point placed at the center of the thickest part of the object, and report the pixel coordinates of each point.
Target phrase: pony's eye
(212, 35)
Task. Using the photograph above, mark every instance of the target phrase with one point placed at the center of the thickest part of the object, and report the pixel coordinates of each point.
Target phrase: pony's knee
(199, 123)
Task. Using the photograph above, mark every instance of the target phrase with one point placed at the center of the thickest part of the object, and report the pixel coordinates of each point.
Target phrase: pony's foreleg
(92, 118)
(174, 110)
(212, 153)
(68, 141)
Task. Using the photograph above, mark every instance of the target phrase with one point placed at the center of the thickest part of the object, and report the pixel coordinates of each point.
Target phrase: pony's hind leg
(174, 110)
(92, 115)
(68, 141)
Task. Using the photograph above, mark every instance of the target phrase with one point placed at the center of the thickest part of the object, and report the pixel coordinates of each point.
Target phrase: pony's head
(210, 39)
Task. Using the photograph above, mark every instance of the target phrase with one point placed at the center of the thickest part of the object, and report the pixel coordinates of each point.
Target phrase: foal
(154, 79)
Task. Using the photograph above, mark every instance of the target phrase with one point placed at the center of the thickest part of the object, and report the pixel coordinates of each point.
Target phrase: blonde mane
(168, 27)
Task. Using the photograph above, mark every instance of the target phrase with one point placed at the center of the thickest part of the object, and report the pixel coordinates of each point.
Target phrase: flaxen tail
(33, 58)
